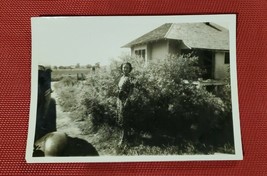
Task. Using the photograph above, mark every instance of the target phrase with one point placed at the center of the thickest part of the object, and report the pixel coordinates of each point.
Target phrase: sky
(87, 40)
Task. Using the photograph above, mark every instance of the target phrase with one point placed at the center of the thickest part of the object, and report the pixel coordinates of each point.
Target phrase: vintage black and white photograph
(134, 88)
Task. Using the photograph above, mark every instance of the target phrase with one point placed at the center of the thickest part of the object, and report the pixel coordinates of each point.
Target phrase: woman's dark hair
(127, 63)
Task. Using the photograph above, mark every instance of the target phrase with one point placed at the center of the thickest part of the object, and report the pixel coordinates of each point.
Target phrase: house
(210, 42)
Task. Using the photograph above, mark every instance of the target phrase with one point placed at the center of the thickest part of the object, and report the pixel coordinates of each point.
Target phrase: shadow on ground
(79, 147)
(63, 145)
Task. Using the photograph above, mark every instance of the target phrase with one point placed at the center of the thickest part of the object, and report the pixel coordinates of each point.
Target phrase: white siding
(159, 50)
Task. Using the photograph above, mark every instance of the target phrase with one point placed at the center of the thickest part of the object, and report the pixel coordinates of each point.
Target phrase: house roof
(193, 35)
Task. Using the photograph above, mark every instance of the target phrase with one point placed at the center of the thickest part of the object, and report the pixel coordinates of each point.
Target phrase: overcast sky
(87, 40)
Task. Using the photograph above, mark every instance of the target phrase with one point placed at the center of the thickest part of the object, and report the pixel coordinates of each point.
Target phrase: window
(140, 53)
(226, 58)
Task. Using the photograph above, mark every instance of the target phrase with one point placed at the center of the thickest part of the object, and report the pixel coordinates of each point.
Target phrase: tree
(89, 66)
(77, 65)
(61, 67)
(97, 65)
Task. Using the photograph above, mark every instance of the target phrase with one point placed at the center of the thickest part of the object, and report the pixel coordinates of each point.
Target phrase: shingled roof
(193, 35)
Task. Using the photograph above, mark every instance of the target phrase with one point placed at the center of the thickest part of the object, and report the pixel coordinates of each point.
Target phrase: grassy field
(59, 74)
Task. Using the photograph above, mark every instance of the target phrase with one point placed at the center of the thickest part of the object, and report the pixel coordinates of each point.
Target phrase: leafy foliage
(165, 100)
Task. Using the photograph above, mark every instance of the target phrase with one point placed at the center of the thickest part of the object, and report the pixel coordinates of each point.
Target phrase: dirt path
(64, 122)
(72, 128)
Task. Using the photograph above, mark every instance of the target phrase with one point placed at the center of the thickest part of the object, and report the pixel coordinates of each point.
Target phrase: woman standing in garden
(125, 89)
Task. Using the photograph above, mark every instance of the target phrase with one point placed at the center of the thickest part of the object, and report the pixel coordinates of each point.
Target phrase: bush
(163, 103)
(99, 98)
(68, 90)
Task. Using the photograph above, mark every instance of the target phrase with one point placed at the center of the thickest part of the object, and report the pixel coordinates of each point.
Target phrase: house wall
(174, 47)
(220, 70)
(159, 49)
(140, 47)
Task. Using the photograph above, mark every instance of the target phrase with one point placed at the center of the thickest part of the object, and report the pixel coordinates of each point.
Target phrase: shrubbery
(163, 103)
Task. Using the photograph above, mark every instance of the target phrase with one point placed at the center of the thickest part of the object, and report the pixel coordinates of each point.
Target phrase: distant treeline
(75, 73)
(78, 66)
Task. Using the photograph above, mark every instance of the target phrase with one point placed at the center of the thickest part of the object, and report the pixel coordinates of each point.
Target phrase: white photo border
(228, 18)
